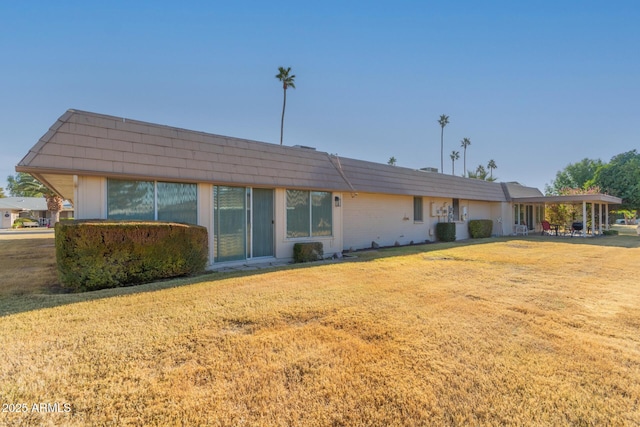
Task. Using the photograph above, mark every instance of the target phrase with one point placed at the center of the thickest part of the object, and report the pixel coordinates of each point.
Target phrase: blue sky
(534, 85)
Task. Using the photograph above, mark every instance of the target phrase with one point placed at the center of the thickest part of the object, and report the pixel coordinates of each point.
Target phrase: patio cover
(573, 199)
(594, 199)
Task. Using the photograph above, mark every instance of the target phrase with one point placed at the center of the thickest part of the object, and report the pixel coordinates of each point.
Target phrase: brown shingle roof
(83, 143)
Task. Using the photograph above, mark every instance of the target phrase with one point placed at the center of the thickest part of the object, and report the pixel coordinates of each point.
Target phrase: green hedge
(609, 232)
(446, 231)
(480, 228)
(305, 252)
(97, 254)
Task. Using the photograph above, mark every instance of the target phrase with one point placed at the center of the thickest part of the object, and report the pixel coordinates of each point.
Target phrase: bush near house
(24, 222)
(305, 252)
(97, 254)
(446, 231)
(480, 228)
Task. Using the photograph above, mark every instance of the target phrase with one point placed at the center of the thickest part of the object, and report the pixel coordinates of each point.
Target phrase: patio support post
(600, 218)
(584, 219)
(606, 215)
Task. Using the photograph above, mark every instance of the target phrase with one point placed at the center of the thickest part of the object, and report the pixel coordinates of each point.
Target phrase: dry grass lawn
(509, 332)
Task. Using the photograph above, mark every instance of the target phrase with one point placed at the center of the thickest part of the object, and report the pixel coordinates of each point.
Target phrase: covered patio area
(594, 207)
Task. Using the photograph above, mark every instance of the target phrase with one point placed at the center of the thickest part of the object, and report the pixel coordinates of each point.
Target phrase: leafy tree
(621, 178)
(25, 185)
(491, 166)
(455, 155)
(567, 213)
(629, 215)
(288, 81)
(574, 175)
(2, 193)
(444, 120)
(392, 161)
(464, 144)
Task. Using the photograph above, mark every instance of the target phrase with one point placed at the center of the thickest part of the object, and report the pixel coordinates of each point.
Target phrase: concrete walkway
(245, 266)
(8, 233)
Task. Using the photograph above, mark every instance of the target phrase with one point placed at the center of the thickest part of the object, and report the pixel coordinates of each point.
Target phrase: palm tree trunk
(464, 172)
(55, 218)
(54, 205)
(442, 150)
(284, 103)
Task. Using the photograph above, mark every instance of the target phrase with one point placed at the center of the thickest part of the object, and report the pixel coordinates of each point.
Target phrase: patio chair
(548, 229)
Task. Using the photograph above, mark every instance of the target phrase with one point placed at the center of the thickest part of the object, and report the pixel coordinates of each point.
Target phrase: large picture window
(149, 200)
(177, 202)
(309, 213)
(134, 200)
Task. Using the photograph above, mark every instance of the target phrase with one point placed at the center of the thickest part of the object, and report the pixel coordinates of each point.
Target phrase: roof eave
(579, 198)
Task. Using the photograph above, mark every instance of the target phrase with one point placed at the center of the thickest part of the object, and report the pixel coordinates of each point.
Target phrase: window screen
(417, 209)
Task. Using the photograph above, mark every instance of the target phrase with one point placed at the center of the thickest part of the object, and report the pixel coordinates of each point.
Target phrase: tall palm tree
(455, 155)
(464, 144)
(288, 81)
(392, 161)
(491, 166)
(481, 172)
(444, 120)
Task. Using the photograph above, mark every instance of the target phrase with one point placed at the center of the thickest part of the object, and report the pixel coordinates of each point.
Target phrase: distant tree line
(619, 177)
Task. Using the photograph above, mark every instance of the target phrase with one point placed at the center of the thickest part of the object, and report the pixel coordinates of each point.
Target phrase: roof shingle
(82, 142)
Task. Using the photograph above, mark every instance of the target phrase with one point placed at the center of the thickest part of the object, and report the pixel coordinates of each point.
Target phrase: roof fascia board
(605, 198)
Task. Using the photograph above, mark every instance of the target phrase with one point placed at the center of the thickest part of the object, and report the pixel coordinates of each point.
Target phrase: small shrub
(480, 228)
(95, 255)
(19, 222)
(305, 252)
(446, 231)
(610, 232)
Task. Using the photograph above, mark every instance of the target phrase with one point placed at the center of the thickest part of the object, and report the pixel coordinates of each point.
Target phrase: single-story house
(258, 199)
(34, 208)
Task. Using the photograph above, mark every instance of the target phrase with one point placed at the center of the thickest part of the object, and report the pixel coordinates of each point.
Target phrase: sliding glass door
(230, 223)
(263, 222)
(243, 223)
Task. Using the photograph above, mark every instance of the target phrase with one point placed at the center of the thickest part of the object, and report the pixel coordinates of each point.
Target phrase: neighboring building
(258, 199)
(34, 208)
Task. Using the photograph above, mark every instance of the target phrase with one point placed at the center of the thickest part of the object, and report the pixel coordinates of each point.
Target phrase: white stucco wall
(90, 201)
(383, 219)
(387, 219)
(357, 222)
(205, 213)
(8, 216)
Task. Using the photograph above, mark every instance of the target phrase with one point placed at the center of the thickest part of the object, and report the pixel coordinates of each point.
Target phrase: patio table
(520, 229)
